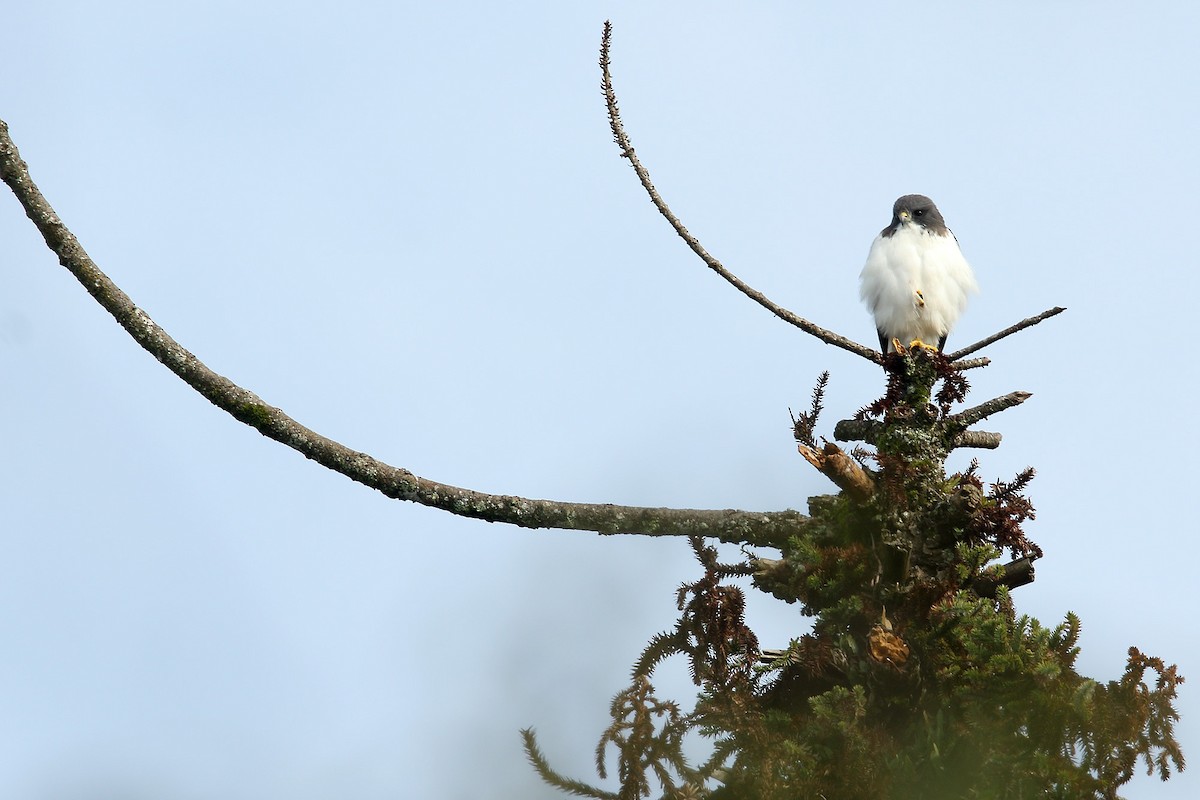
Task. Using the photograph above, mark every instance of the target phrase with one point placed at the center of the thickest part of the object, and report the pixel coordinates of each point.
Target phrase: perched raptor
(916, 280)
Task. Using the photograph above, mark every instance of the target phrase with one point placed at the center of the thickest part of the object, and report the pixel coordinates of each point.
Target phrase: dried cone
(886, 647)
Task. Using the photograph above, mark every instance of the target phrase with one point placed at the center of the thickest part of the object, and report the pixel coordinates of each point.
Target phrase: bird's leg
(920, 303)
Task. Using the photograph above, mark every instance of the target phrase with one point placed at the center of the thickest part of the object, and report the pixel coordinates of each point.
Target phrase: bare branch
(995, 337)
(726, 525)
(622, 140)
(970, 416)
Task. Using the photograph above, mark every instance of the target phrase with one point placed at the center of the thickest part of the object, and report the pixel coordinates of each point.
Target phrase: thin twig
(995, 337)
(762, 528)
(622, 140)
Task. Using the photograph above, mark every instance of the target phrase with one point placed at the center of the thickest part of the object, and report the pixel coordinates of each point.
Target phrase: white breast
(916, 284)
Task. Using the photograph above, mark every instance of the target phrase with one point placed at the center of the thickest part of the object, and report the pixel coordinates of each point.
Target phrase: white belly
(916, 284)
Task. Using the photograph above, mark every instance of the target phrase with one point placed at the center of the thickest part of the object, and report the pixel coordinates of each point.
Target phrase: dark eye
(920, 212)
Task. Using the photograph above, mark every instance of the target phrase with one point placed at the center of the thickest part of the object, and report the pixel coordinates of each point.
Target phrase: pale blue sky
(407, 225)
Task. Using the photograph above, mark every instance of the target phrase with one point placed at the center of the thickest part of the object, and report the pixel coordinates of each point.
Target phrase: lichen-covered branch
(866, 430)
(972, 363)
(764, 528)
(972, 415)
(622, 140)
(979, 440)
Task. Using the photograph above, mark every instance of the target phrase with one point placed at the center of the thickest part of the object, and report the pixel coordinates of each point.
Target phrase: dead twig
(995, 337)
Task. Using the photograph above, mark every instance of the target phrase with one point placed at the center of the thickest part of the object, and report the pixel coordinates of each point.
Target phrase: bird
(916, 280)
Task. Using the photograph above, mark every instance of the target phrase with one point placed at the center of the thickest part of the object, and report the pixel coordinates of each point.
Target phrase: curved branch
(622, 140)
(727, 525)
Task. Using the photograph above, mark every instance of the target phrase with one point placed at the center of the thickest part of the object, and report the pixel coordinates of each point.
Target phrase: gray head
(919, 210)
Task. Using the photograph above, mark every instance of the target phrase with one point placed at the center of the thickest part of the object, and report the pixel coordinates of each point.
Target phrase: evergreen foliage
(918, 678)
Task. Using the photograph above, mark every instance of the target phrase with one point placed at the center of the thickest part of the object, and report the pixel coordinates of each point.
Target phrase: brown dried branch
(622, 140)
(995, 337)
(727, 525)
(846, 473)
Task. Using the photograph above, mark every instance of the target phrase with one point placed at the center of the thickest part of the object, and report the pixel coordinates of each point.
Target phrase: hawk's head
(919, 210)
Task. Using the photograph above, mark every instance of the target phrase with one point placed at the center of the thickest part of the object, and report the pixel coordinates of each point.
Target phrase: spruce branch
(998, 521)
(804, 425)
(647, 734)
(627, 151)
(569, 785)
(395, 482)
(660, 647)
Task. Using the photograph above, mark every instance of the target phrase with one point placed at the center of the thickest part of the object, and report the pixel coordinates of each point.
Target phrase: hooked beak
(905, 216)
